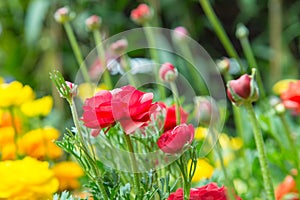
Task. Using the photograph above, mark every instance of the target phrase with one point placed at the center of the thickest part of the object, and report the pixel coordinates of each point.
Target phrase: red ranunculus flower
(207, 192)
(291, 97)
(97, 111)
(131, 107)
(126, 105)
(173, 141)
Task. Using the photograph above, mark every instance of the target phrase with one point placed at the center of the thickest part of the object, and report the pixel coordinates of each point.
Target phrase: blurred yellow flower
(200, 133)
(203, 170)
(1, 80)
(7, 144)
(39, 143)
(85, 90)
(27, 179)
(68, 173)
(14, 94)
(234, 143)
(282, 85)
(38, 107)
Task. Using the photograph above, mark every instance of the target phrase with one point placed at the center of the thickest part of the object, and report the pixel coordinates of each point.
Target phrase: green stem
(226, 177)
(261, 152)
(193, 72)
(182, 163)
(252, 63)
(293, 148)
(11, 111)
(101, 54)
(96, 179)
(134, 164)
(154, 55)
(275, 21)
(77, 52)
(125, 64)
(211, 15)
(176, 101)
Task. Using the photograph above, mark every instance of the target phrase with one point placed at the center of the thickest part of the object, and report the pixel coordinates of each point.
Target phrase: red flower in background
(170, 115)
(173, 141)
(126, 105)
(288, 186)
(207, 192)
(291, 97)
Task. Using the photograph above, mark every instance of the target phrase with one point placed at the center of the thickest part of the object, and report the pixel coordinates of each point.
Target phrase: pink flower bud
(242, 90)
(141, 14)
(119, 46)
(180, 34)
(168, 72)
(63, 15)
(93, 22)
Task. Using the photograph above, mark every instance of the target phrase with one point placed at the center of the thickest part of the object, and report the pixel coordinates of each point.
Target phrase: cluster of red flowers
(133, 109)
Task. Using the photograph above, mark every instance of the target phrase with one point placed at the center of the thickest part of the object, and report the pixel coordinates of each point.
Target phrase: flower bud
(141, 14)
(73, 88)
(180, 34)
(69, 92)
(207, 111)
(93, 22)
(241, 31)
(63, 15)
(223, 65)
(119, 47)
(242, 90)
(168, 72)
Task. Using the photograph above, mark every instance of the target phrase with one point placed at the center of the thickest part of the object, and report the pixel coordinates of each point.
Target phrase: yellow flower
(85, 90)
(282, 85)
(1, 80)
(203, 170)
(6, 120)
(14, 94)
(26, 179)
(38, 107)
(68, 173)
(39, 143)
(200, 133)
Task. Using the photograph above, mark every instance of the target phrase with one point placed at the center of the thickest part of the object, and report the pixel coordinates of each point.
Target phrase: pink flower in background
(173, 141)
(141, 14)
(291, 97)
(168, 72)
